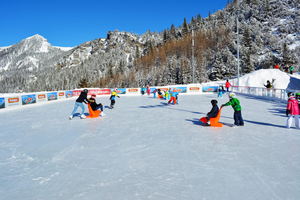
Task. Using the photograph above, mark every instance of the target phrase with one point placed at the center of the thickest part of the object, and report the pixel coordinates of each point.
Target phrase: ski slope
(146, 149)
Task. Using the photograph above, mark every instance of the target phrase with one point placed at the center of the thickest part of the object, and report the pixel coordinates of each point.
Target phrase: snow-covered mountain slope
(32, 52)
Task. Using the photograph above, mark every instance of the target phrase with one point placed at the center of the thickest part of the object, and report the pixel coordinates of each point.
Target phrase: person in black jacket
(79, 102)
(214, 110)
(96, 106)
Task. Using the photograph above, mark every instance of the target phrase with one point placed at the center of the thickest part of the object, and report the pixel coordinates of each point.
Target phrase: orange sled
(93, 114)
(214, 121)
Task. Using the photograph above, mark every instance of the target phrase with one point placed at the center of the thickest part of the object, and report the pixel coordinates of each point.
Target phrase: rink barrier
(266, 93)
(17, 100)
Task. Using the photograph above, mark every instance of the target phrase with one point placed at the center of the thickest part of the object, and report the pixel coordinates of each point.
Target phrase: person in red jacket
(227, 85)
(292, 111)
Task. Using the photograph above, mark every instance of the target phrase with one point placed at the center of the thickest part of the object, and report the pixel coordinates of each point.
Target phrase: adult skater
(113, 97)
(79, 102)
(269, 85)
(227, 85)
(292, 111)
(96, 106)
(235, 103)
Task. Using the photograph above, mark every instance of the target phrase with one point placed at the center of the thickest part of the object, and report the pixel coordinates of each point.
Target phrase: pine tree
(185, 28)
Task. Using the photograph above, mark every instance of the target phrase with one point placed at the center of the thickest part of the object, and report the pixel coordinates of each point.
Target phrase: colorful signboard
(13, 101)
(194, 89)
(41, 97)
(52, 96)
(28, 99)
(209, 88)
(61, 94)
(120, 90)
(103, 92)
(2, 103)
(69, 94)
(179, 89)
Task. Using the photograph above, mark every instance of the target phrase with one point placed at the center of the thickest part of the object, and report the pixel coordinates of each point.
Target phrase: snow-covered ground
(146, 149)
(260, 77)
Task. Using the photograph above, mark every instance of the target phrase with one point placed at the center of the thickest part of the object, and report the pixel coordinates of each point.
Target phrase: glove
(118, 96)
(222, 105)
(287, 112)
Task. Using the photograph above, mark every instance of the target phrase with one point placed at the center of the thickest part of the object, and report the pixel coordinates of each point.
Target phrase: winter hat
(231, 95)
(291, 94)
(214, 102)
(93, 95)
(85, 91)
(297, 94)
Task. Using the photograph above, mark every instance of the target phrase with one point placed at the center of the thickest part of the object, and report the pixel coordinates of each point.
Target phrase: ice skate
(102, 114)
(71, 117)
(82, 116)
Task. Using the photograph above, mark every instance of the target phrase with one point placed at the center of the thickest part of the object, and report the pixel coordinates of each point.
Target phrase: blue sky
(68, 23)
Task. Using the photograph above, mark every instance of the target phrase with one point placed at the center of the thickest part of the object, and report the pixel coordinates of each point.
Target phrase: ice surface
(146, 149)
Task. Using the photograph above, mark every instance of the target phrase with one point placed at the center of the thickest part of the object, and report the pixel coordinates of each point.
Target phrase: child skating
(96, 106)
(235, 103)
(113, 97)
(174, 95)
(292, 111)
(213, 112)
(79, 102)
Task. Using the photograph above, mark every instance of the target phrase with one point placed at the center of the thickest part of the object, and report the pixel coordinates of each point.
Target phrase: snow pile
(260, 77)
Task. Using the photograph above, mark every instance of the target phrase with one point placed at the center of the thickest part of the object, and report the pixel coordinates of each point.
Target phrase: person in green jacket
(235, 103)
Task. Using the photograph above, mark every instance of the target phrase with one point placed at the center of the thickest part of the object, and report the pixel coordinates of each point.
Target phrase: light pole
(193, 53)
(237, 41)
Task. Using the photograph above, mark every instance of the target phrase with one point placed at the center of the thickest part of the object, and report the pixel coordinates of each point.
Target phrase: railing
(272, 94)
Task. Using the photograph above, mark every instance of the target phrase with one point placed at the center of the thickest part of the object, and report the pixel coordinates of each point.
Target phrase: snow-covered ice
(146, 149)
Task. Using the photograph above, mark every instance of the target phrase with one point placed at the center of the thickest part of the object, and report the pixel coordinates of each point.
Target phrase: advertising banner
(61, 94)
(69, 94)
(2, 103)
(41, 97)
(92, 91)
(133, 91)
(179, 89)
(194, 89)
(28, 99)
(52, 96)
(120, 90)
(209, 88)
(13, 101)
(76, 93)
(103, 91)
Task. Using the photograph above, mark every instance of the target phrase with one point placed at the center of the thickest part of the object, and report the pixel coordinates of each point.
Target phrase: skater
(148, 89)
(291, 68)
(174, 95)
(292, 111)
(113, 97)
(220, 91)
(96, 106)
(235, 103)
(143, 90)
(154, 93)
(213, 112)
(159, 94)
(166, 95)
(79, 102)
(227, 85)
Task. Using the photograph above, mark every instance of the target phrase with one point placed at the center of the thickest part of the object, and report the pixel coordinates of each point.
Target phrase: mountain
(267, 33)
(32, 52)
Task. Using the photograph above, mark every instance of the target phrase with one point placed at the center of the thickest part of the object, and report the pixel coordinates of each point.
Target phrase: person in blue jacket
(174, 96)
(79, 102)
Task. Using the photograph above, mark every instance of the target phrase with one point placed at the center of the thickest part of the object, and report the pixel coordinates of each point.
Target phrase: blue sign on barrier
(28, 99)
(52, 96)
(2, 103)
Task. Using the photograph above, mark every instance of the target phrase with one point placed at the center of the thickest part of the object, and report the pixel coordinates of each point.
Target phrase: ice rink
(146, 149)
